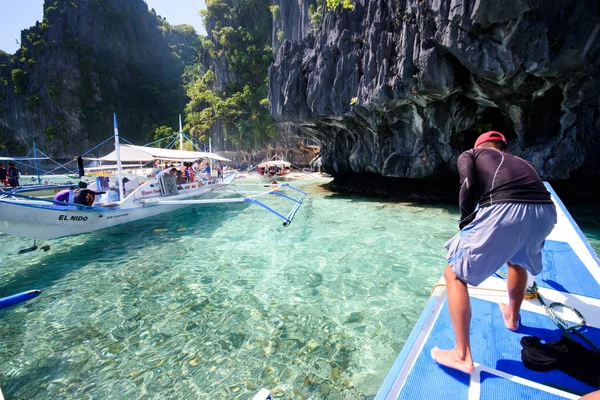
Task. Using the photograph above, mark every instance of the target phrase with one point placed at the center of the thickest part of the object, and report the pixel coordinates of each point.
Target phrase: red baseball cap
(490, 135)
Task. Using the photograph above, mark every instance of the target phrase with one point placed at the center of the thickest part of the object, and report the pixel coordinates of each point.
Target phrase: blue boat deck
(571, 276)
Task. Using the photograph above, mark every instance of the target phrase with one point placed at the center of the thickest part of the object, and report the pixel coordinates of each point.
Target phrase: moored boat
(275, 167)
(121, 201)
(46, 219)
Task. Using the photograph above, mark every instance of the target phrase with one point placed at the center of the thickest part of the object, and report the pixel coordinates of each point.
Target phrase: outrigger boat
(35, 185)
(39, 218)
(274, 168)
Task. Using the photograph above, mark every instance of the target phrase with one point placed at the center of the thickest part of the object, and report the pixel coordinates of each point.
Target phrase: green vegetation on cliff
(332, 4)
(86, 60)
(239, 32)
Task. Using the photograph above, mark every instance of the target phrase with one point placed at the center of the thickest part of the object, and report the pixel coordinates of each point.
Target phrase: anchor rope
(550, 309)
(531, 293)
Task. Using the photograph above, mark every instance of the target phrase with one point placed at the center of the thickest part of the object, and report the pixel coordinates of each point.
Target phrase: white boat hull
(43, 222)
(38, 219)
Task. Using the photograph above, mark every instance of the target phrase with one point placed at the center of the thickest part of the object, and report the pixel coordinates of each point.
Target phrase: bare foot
(450, 359)
(510, 322)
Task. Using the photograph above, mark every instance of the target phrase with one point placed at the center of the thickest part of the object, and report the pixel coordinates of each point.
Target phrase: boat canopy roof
(105, 167)
(130, 153)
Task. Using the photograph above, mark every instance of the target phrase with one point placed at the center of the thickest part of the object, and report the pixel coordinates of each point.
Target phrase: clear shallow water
(218, 304)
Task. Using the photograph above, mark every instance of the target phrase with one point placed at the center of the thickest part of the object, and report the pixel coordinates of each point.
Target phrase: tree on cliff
(83, 62)
(239, 32)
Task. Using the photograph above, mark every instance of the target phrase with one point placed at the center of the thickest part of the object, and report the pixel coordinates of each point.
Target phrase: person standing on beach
(506, 214)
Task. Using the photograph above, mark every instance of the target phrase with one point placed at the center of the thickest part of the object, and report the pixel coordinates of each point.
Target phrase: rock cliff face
(86, 60)
(401, 88)
(291, 20)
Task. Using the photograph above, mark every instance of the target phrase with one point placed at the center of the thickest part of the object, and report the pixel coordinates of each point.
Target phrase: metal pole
(210, 151)
(118, 150)
(180, 134)
(37, 163)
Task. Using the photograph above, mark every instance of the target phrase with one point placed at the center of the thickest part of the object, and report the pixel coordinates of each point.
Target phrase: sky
(16, 15)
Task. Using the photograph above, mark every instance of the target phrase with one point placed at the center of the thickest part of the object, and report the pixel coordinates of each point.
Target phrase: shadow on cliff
(435, 189)
(444, 189)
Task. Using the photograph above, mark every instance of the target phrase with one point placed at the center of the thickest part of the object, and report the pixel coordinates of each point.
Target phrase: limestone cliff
(291, 20)
(84, 61)
(401, 88)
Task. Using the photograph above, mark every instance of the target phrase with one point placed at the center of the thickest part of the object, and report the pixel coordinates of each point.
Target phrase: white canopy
(131, 153)
(114, 166)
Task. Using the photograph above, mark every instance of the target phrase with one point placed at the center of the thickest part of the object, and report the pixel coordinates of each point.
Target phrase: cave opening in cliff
(543, 117)
(487, 119)
(462, 75)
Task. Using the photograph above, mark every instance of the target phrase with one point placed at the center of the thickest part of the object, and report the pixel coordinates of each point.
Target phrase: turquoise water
(217, 304)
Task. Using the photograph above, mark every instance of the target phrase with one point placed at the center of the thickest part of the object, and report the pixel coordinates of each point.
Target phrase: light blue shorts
(499, 233)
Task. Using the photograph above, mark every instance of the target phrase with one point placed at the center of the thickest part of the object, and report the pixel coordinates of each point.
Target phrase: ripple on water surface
(220, 303)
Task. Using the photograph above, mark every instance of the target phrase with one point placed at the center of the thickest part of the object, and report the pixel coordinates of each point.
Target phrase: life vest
(89, 199)
(83, 197)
